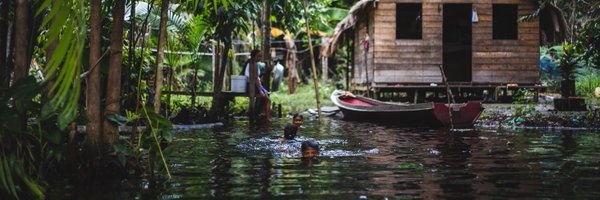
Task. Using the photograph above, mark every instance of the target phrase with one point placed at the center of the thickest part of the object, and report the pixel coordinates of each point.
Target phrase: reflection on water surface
(364, 160)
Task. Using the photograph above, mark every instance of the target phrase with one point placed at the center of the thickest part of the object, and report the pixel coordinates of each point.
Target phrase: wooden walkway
(419, 92)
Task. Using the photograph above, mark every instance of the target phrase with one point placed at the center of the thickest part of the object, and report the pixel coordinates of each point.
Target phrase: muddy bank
(536, 116)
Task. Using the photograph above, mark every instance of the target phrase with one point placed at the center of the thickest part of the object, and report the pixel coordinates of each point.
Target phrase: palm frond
(66, 22)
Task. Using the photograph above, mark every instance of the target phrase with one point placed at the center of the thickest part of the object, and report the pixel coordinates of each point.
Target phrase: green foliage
(590, 43)
(197, 28)
(26, 154)
(587, 82)
(525, 112)
(569, 61)
(303, 99)
(174, 20)
(65, 20)
(118, 119)
(184, 101)
(160, 129)
(14, 181)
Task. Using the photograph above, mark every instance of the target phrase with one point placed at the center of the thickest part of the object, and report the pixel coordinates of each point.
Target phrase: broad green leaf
(117, 119)
(43, 7)
(168, 135)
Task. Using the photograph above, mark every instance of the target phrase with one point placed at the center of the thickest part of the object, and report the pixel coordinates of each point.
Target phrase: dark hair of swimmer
(309, 149)
(289, 132)
(297, 115)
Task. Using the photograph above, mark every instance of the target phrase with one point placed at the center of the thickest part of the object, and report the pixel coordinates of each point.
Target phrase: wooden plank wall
(417, 60)
(359, 51)
(505, 61)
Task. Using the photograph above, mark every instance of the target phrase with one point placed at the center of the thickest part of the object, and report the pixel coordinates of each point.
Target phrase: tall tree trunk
(93, 92)
(266, 43)
(253, 81)
(3, 41)
(325, 60)
(162, 39)
(113, 88)
(217, 110)
(21, 46)
(290, 63)
(22, 39)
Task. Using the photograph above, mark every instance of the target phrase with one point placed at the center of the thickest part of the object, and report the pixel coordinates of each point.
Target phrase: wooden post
(367, 72)
(324, 68)
(252, 90)
(312, 60)
(233, 62)
(215, 59)
(416, 98)
(193, 82)
(351, 85)
(448, 94)
(324, 62)
(349, 48)
(536, 95)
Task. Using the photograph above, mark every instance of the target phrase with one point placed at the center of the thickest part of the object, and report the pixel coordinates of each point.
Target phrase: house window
(408, 21)
(505, 22)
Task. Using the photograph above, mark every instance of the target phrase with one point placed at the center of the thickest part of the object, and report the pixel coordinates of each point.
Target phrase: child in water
(310, 149)
(291, 129)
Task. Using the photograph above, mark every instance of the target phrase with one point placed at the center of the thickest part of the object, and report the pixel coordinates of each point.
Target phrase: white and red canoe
(457, 115)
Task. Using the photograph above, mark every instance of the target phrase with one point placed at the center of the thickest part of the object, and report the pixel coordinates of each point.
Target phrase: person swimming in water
(310, 149)
(291, 129)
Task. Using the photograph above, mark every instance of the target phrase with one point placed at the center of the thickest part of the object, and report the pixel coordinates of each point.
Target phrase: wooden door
(457, 42)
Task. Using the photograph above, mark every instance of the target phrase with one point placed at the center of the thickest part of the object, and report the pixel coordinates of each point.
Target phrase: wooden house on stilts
(400, 47)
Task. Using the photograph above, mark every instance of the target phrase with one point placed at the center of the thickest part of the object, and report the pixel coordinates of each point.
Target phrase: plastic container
(238, 83)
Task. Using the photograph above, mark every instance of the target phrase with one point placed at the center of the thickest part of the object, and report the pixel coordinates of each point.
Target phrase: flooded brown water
(368, 161)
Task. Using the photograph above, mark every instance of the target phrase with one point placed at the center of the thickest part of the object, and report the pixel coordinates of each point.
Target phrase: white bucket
(238, 83)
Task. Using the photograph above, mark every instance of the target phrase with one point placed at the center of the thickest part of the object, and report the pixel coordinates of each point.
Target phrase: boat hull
(458, 115)
(424, 114)
(423, 118)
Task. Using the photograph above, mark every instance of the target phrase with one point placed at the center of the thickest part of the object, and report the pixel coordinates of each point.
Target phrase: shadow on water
(365, 160)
